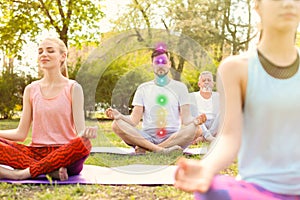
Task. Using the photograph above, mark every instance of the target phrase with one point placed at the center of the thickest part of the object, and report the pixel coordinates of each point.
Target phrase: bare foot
(170, 149)
(6, 173)
(60, 174)
(14, 174)
(139, 150)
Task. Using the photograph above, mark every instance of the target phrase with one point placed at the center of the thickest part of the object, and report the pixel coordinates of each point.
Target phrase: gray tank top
(270, 149)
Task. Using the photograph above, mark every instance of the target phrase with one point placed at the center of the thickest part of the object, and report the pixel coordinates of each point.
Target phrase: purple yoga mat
(124, 175)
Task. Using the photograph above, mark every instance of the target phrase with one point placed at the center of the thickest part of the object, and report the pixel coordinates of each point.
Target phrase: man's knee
(186, 137)
(116, 129)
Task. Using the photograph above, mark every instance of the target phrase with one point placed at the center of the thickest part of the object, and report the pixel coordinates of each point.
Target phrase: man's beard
(161, 73)
(206, 88)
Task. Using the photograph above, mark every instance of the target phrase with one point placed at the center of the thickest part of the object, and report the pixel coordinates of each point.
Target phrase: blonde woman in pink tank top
(53, 106)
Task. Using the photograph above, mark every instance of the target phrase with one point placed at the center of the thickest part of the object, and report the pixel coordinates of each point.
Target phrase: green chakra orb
(162, 100)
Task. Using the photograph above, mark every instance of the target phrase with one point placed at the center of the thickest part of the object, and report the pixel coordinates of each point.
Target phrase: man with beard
(205, 101)
(163, 104)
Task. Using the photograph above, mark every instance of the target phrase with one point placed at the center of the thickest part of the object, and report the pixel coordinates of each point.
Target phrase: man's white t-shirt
(210, 107)
(161, 104)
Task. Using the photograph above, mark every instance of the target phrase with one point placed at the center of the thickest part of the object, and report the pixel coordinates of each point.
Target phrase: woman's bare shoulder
(234, 65)
(235, 61)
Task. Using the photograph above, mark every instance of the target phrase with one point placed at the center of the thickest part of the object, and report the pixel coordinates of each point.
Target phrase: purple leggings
(227, 188)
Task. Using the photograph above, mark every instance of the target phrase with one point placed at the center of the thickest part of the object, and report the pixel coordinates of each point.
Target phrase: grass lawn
(105, 138)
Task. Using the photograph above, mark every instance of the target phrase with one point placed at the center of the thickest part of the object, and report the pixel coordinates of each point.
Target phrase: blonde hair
(63, 49)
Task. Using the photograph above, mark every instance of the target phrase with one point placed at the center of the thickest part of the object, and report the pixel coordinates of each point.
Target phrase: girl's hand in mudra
(89, 132)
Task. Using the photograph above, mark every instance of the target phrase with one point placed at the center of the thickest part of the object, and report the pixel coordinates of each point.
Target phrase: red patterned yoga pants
(43, 160)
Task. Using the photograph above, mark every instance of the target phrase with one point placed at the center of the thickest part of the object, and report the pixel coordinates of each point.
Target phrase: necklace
(280, 72)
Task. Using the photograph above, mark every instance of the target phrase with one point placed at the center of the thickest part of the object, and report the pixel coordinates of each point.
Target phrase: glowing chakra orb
(161, 133)
(162, 100)
(161, 123)
(161, 112)
(160, 60)
(162, 80)
(161, 47)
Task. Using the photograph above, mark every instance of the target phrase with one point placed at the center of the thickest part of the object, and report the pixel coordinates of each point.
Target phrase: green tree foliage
(17, 24)
(143, 14)
(221, 27)
(16, 21)
(120, 80)
(77, 21)
(11, 90)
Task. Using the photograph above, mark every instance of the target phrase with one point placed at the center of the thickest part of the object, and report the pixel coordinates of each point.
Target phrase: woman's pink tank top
(53, 122)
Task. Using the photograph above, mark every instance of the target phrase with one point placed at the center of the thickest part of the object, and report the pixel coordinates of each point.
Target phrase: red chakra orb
(161, 133)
